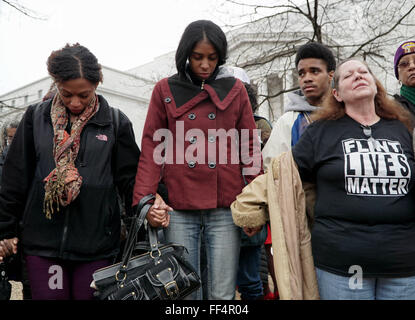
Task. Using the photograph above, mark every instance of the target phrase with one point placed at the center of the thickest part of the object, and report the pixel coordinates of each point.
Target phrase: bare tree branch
(270, 35)
(24, 10)
(382, 34)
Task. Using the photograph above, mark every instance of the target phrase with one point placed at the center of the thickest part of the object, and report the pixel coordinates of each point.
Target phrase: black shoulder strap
(116, 121)
(307, 117)
(116, 124)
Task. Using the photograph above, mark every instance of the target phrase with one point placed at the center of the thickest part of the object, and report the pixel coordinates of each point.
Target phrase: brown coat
(279, 192)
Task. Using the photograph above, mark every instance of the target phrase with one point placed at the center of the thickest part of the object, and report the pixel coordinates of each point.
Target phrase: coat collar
(182, 95)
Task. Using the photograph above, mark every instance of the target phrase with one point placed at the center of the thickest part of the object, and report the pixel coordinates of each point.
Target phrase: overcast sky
(122, 34)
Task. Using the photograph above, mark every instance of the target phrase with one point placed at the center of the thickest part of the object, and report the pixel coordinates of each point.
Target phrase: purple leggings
(55, 279)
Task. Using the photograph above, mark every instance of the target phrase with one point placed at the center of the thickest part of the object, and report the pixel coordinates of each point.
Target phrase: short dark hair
(195, 32)
(252, 95)
(74, 62)
(317, 51)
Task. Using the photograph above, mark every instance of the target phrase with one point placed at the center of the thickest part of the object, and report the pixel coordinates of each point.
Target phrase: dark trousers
(249, 279)
(54, 279)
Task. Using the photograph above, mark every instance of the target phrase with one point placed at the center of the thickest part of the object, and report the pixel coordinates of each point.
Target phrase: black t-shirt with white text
(365, 202)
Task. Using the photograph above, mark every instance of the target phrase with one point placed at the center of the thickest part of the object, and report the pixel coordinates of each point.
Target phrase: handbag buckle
(158, 256)
(116, 276)
(171, 289)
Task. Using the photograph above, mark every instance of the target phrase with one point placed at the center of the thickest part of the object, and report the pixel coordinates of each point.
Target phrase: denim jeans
(222, 240)
(334, 287)
(249, 279)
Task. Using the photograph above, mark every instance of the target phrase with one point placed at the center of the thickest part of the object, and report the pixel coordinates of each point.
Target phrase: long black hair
(74, 62)
(195, 32)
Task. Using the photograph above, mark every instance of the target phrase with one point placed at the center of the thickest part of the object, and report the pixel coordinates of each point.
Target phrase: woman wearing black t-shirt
(360, 156)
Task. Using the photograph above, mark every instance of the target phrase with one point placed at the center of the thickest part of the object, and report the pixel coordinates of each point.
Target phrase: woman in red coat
(200, 139)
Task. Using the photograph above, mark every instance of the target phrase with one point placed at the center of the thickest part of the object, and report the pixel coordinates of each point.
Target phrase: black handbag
(161, 273)
(5, 285)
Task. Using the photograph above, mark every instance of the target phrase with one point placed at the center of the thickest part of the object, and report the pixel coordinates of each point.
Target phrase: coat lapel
(181, 96)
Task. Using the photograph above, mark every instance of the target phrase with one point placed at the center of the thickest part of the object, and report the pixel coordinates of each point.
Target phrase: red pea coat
(210, 150)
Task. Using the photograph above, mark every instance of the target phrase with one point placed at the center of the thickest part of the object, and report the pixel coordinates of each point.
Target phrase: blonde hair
(385, 107)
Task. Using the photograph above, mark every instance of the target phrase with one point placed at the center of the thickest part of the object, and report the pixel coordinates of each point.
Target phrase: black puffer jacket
(89, 228)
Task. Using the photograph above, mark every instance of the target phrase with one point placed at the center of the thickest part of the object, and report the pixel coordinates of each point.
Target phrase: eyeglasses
(406, 63)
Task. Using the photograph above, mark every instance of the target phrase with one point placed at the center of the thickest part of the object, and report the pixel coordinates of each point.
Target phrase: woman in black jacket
(58, 199)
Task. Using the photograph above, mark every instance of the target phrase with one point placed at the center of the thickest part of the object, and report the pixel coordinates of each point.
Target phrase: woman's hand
(8, 247)
(158, 215)
(252, 231)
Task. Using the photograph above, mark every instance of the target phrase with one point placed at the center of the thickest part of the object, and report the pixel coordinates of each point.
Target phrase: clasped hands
(8, 247)
(159, 213)
(251, 231)
(157, 216)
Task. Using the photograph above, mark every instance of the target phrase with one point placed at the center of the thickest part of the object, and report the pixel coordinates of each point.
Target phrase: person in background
(249, 282)
(266, 266)
(315, 65)
(62, 156)
(261, 122)
(190, 112)
(8, 134)
(404, 67)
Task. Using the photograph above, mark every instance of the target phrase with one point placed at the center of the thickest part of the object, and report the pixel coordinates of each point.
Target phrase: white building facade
(126, 91)
(263, 49)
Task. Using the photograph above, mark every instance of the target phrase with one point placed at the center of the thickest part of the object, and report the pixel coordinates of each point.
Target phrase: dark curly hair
(195, 32)
(74, 62)
(317, 51)
(252, 94)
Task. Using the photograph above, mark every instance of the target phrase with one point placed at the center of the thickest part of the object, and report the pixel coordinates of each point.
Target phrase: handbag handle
(138, 220)
(154, 245)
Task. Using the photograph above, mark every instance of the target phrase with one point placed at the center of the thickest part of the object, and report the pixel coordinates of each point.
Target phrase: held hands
(158, 215)
(8, 247)
(252, 231)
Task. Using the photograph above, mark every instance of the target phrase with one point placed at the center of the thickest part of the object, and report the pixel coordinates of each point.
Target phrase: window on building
(40, 93)
(26, 99)
(13, 103)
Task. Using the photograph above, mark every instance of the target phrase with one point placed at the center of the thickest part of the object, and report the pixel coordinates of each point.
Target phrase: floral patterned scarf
(63, 184)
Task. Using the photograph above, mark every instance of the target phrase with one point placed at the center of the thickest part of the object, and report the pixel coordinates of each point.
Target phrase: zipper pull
(203, 84)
